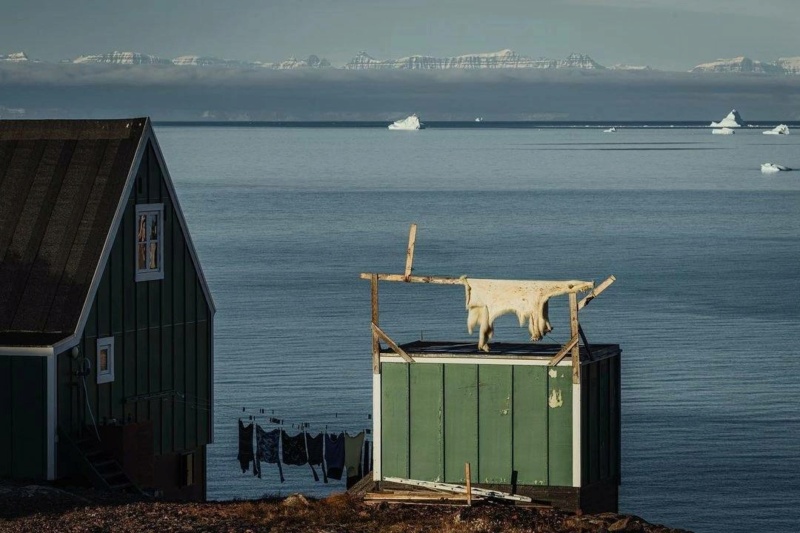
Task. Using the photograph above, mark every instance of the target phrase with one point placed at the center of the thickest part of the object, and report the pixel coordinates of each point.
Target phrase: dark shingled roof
(60, 184)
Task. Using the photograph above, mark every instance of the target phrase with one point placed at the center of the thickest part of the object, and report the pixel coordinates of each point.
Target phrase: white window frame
(149, 274)
(105, 376)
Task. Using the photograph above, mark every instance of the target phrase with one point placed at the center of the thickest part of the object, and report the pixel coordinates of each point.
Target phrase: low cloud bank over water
(186, 93)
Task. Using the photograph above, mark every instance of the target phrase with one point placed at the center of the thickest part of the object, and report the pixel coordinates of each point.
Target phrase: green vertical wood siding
(503, 419)
(495, 392)
(559, 412)
(460, 421)
(23, 417)
(162, 335)
(425, 422)
(394, 419)
(530, 425)
(600, 424)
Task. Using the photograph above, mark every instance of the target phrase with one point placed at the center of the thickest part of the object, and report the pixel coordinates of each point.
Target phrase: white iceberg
(781, 129)
(733, 120)
(772, 168)
(722, 131)
(410, 123)
(612, 129)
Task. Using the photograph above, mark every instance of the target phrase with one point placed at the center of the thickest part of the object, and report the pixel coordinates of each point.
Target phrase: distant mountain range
(504, 59)
(362, 61)
(784, 65)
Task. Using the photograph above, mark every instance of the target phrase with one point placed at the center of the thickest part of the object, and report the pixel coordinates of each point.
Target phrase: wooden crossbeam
(438, 280)
(412, 239)
(563, 351)
(595, 292)
(383, 336)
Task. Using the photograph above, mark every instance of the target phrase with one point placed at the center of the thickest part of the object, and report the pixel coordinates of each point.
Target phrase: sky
(665, 34)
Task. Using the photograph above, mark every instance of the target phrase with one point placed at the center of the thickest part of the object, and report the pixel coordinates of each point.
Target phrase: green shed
(528, 419)
(106, 319)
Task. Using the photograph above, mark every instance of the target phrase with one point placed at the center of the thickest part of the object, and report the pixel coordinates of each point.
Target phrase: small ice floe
(612, 129)
(781, 129)
(733, 120)
(772, 168)
(722, 131)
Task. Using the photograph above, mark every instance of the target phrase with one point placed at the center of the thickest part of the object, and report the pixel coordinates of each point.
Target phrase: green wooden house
(531, 419)
(106, 319)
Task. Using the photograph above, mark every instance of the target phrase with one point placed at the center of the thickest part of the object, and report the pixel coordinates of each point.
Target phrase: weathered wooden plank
(437, 280)
(412, 239)
(28, 442)
(596, 292)
(376, 346)
(394, 419)
(458, 489)
(574, 333)
(495, 428)
(530, 424)
(563, 352)
(393, 345)
(425, 422)
(559, 413)
(168, 383)
(460, 420)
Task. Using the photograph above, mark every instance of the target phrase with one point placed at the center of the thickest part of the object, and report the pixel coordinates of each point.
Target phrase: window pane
(103, 360)
(141, 262)
(153, 256)
(141, 232)
(153, 226)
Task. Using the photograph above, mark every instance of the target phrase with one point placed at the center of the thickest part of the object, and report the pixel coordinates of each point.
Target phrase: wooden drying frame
(572, 346)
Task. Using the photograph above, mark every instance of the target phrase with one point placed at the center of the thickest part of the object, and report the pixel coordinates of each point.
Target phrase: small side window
(149, 242)
(105, 360)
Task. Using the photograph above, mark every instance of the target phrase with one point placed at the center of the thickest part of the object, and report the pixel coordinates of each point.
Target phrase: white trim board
(422, 359)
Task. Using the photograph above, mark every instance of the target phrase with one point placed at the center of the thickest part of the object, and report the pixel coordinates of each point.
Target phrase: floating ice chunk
(410, 123)
(781, 129)
(722, 131)
(733, 120)
(772, 168)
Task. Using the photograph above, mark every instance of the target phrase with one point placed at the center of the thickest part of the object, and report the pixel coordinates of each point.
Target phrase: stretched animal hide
(487, 299)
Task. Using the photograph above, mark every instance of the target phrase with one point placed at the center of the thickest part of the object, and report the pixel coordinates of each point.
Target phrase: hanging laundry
(334, 455)
(246, 447)
(267, 449)
(315, 455)
(366, 459)
(352, 455)
(294, 449)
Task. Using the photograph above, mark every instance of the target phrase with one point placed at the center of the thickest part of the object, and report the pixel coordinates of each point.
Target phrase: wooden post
(376, 345)
(412, 239)
(573, 327)
(468, 475)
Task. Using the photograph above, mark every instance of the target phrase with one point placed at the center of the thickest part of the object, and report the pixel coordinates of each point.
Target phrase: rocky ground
(44, 509)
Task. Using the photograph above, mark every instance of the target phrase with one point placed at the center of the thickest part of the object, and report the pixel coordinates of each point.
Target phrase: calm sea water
(706, 251)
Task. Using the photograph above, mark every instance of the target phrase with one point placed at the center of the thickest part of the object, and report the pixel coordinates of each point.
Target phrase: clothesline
(335, 453)
(263, 417)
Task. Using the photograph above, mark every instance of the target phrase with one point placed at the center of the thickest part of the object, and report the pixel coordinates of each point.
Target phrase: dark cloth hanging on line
(366, 459)
(352, 456)
(315, 455)
(246, 447)
(294, 449)
(334, 455)
(267, 449)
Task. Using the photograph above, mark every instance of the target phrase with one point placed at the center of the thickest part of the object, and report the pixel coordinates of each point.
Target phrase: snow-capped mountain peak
(123, 58)
(15, 57)
(487, 60)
